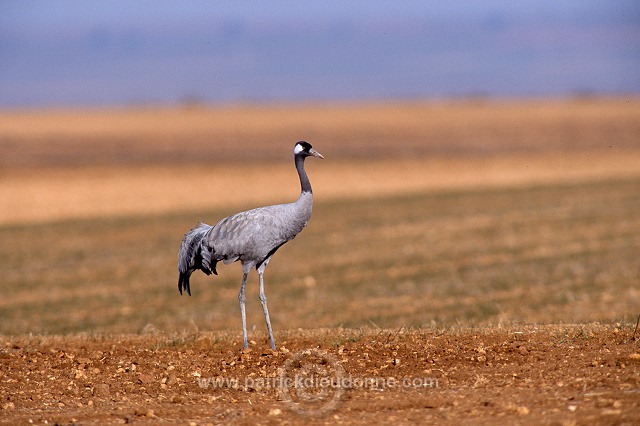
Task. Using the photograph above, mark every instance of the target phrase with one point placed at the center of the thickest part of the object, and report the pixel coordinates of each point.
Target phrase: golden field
(73, 164)
(472, 220)
(94, 205)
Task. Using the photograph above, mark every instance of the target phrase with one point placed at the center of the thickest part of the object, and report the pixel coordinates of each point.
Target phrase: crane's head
(305, 149)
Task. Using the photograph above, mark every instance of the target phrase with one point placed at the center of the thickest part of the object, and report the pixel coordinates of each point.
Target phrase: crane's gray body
(251, 237)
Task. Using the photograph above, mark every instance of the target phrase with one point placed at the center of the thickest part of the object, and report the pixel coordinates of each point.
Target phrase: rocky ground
(563, 374)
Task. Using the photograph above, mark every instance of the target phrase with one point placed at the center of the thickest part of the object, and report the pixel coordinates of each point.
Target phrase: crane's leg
(263, 300)
(243, 312)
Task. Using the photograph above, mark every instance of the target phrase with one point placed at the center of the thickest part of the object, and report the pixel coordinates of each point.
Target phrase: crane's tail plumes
(191, 259)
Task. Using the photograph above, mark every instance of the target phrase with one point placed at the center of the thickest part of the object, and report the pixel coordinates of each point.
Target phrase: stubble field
(478, 259)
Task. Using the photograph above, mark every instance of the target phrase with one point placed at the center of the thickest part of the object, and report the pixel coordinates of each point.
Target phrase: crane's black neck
(305, 185)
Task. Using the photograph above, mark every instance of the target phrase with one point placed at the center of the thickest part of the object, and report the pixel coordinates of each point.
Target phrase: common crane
(252, 237)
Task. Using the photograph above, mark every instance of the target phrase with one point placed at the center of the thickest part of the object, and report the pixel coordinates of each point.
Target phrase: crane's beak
(315, 153)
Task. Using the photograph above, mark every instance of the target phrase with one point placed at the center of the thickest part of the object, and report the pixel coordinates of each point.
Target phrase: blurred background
(87, 53)
(482, 161)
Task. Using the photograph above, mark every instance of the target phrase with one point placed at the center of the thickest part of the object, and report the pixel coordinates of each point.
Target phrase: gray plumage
(251, 237)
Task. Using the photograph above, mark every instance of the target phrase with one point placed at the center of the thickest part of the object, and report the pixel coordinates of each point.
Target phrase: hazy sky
(123, 52)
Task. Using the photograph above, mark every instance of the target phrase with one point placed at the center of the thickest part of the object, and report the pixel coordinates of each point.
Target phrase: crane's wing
(250, 235)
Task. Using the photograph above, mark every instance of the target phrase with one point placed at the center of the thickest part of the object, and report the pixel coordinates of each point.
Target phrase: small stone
(172, 378)
(145, 379)
(141, 412)
(275, 412)
(604, 402)
(101, 390)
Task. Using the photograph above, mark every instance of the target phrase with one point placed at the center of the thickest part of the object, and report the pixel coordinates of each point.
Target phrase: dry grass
(41, 195)
(545, 253)
(535, 221)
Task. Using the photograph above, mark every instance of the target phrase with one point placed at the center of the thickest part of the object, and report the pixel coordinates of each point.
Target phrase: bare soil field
(561, 375)
(466, 262)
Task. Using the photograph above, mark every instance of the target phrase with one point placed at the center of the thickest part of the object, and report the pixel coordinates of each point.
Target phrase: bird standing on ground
(252, 237)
